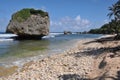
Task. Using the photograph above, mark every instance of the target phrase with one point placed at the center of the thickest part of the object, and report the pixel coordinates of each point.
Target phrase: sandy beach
(87, 60)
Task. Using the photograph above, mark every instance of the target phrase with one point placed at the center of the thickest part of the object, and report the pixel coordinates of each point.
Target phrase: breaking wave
(7, 37)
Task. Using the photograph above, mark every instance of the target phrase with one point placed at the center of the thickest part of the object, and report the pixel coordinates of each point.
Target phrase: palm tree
(117, 7)
(115, 12)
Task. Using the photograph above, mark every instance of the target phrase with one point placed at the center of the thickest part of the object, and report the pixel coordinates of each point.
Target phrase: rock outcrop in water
(29, 24)
(67, 32)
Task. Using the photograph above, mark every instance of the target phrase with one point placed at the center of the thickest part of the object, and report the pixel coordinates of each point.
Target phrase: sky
(65, 15)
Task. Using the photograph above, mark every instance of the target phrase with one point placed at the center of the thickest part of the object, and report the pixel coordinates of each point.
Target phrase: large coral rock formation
(29, 24)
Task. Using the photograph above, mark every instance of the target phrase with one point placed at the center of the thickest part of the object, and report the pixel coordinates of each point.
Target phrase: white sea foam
(7, 35)
(52, 35)
(104, 36)
(6, 40)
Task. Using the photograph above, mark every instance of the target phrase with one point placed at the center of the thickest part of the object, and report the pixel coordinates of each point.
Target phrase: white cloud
(78, 18)
(70, 24)
(40, 8)
(106, 21)
(43, 8)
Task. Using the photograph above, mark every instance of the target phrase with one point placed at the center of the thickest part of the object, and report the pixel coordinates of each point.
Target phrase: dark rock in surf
(67, 32)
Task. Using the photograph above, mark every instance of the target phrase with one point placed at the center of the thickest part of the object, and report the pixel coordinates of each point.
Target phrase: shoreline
(22, 61)
(17, 68)
(81, 61)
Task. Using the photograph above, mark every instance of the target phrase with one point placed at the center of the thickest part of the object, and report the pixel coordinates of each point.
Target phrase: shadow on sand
(106, 77)
(102, 40)
(71, 77)
(98, 51)
(77, 77)
(95, 52)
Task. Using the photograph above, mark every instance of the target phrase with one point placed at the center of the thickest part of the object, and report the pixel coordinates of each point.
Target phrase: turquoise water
(11, 51)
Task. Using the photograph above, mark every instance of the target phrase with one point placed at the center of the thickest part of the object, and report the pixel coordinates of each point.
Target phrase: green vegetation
(23, 14)
(35, 12)
(109, 28)
(113, 27)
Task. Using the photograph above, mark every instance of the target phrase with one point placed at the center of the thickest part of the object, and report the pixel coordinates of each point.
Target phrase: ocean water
(13, 52)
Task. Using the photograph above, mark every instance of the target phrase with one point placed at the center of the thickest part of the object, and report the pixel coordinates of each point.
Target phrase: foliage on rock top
(24, 14)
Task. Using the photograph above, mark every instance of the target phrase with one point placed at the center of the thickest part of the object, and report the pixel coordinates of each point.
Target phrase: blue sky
(72, 15)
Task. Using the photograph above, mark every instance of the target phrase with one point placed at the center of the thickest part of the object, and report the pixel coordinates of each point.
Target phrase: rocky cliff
(29, 24)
